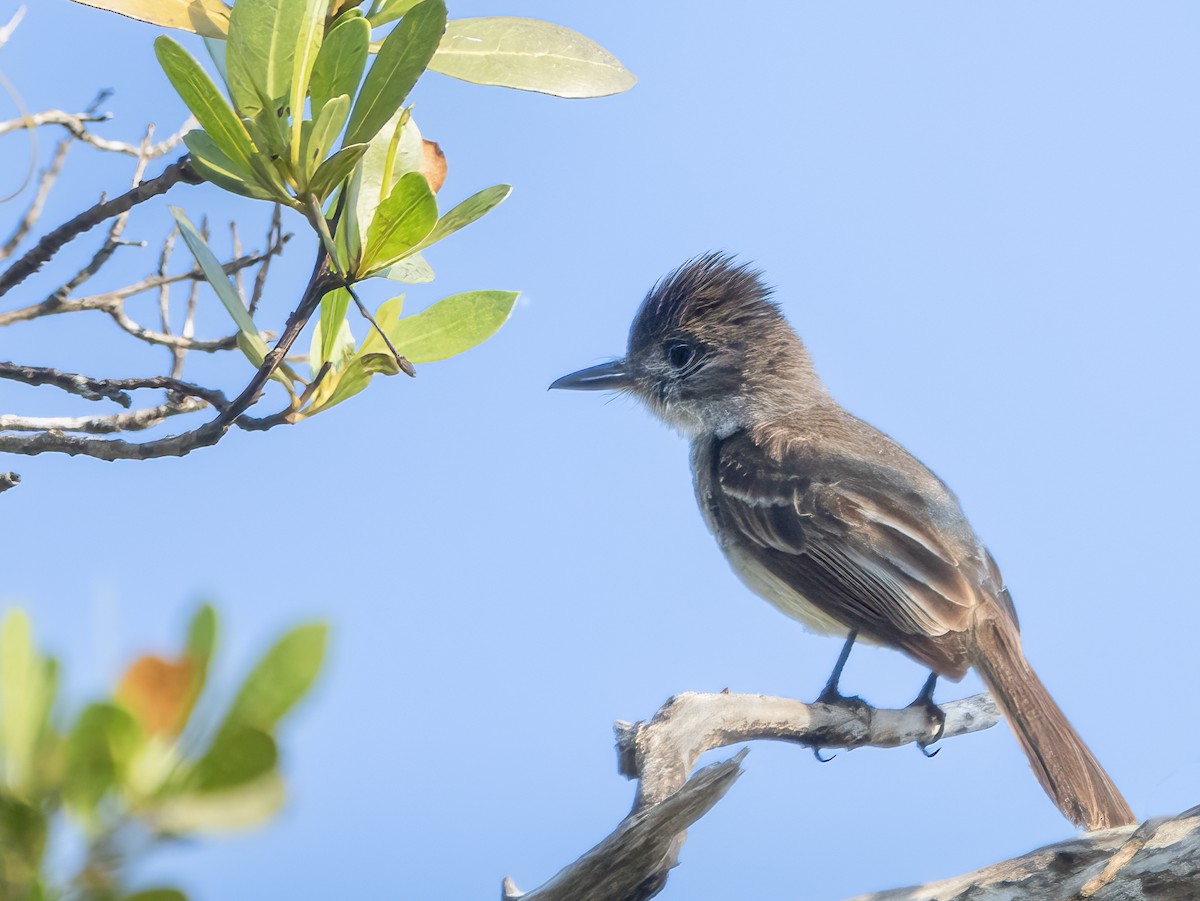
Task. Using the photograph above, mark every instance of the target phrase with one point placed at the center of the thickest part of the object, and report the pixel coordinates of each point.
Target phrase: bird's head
(709, 352)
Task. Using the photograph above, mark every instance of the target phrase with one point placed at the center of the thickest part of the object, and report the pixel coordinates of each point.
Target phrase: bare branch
(132, 421)
(76, 125)
(1156, 861)
(34, 211)
(5, 33)
(661, 753)
(178, 172)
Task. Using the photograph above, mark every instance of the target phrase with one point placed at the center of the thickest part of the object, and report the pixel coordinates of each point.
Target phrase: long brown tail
(1071, 776)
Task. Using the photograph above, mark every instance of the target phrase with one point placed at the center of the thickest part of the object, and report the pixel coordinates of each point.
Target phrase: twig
(75, 124)
(34, 211)
(107, 389)
(178, 172)
(401, 361)
(133, 421)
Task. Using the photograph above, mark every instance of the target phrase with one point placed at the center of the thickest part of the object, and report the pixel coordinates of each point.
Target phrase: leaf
(261, 52)
(26, 693)
(239, 754)
(402, 58)
(336, 170)
(308, 45)
(529, 55)
(201, 96)
(159, 693)
(341, 62)
(99, 750)
(452, 326)
(249, 340)
(353, 379)
(391, 11)
(474, 207)
(211, 162)
(157, 894)
(333, 317)
(23, 832)
(281, 678)
(398, 147)
(402, 221)
(207, 17)
(325, 129)
(202, 637)
(412, 270)
(237, 808)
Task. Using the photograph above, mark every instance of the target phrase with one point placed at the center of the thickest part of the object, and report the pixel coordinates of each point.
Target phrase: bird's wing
(854, 538)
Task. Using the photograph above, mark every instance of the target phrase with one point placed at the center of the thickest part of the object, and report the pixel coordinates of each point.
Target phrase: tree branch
(633, 862)
(1157, 861)
(178, 172)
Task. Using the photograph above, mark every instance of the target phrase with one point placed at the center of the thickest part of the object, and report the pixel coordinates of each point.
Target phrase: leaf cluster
(308, 111)
(141, 761)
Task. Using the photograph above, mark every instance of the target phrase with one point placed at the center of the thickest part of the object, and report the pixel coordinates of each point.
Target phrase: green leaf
(157, 894)
(412, 270)
(347, 240)
(308, 45)
(474, 207)
(242, 807)
(452, 326)
(341, 62)
(391, 11)
(397, 149)
(402, 58)
(99, 750)
(261, 53)
(23, 832)
(201, 96)
(211, 162)
(529, 55)
(207, 17)
(249, 340)
(202, 637)
(282, 677)
(353, 379)
(340, 353)
(402, 221)
(333, 317)
(239, 754)
(27, 685)
(325, 129)
(336, 170)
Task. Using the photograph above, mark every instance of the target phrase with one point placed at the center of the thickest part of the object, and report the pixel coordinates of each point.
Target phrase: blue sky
(983, 220)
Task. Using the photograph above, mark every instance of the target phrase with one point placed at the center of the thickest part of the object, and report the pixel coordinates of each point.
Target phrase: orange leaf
(159, 693)
(433, 166)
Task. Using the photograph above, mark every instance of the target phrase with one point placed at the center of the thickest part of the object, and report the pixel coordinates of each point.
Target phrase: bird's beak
(605, 377)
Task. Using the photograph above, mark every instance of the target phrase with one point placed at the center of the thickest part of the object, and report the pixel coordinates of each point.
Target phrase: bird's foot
(937, 716)
(831, 697)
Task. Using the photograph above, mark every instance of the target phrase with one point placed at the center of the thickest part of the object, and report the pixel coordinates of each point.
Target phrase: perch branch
(632, 864)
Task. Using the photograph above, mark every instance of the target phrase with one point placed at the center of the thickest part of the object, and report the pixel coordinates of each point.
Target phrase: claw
(820, 759)
(925, 699)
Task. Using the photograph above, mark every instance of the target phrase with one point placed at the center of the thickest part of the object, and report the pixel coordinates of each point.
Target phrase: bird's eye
(680, 354)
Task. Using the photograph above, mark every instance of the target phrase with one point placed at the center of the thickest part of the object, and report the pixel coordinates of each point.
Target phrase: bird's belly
(787, 599)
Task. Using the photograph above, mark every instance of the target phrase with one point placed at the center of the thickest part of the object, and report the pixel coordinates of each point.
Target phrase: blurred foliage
(139, 767)
(298, 114)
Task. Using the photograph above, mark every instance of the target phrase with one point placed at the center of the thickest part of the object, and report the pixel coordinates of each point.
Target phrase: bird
(831, 520)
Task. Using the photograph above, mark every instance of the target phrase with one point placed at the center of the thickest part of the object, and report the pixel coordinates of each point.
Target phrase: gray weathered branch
(1157, 861)
(632, 864)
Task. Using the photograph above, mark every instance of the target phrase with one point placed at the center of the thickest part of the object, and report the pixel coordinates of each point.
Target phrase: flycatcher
(829, 519)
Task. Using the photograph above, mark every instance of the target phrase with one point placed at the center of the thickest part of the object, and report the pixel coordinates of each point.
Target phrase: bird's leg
(936, 714)
(830, 694)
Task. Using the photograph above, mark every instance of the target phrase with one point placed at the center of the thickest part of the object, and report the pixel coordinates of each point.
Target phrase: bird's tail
(1067, 770)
